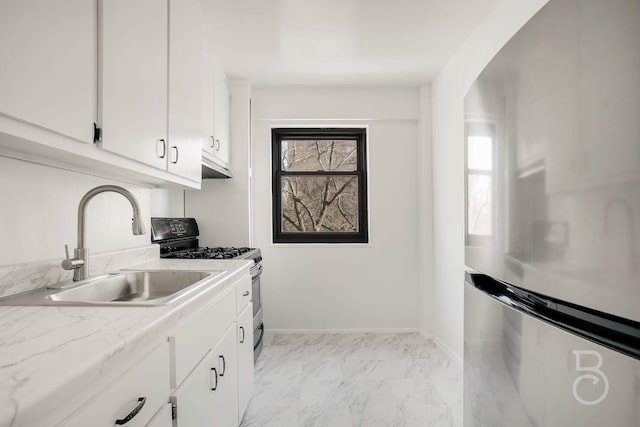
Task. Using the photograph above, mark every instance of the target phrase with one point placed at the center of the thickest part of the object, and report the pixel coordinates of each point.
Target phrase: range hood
(212, 170)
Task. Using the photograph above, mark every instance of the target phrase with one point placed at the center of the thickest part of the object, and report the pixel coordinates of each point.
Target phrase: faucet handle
(71, 263)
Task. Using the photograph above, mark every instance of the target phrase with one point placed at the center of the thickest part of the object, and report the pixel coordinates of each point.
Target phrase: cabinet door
(197, 334)
(208, 93)
(48, 75)
(226, 396)
(185, 89)
(133, 398)
(133, 74)
(209, 395)
(245, 359)
(193, 399)
(162, 418)
(222, 142)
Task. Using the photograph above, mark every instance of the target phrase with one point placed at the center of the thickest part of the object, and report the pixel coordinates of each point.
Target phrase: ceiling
(339, 42)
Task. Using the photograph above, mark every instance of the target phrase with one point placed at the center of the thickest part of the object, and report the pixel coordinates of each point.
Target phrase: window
(480, 183)
(319, 185)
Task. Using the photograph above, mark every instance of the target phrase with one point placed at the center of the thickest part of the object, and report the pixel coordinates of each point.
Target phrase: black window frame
(358, 134)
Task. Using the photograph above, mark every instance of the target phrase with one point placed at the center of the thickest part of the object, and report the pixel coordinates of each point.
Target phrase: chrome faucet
(80, 261)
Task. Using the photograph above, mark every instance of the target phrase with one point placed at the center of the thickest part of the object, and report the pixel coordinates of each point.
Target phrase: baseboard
(445, 348)
(343, 331)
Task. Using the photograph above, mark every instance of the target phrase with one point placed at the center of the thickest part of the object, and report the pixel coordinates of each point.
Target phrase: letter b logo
(593, 376)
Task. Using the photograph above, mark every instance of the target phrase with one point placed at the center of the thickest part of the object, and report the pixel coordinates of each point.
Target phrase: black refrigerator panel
(552, 167)
(522, 371)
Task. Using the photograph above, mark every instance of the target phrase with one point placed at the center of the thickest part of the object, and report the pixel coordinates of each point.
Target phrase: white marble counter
(52, 359)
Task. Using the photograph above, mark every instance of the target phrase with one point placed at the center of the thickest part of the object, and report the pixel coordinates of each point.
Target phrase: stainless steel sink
(127, 288)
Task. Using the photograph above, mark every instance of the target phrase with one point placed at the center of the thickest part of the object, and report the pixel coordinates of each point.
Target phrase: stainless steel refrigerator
(552, 291)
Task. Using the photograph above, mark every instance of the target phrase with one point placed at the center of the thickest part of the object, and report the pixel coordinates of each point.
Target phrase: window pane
(319, 203)
(319, 155)
(479, 205)
(480, 153)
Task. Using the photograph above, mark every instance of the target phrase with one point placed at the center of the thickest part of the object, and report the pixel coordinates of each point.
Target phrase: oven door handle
(261, 327)
(256, 270)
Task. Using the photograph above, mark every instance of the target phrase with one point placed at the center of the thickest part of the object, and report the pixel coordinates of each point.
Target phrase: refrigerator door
(553, 157)
(522, 371)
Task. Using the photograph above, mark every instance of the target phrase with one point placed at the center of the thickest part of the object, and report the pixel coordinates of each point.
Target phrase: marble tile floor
(354, 380)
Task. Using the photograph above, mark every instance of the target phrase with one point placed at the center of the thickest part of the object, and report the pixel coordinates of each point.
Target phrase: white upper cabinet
(185, 88)
(48, 74)
(150, 97)
(208, 92)
(133, 90)
(221, 149)
(215, 113)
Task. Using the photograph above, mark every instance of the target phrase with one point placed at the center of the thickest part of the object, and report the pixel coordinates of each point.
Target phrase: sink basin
(127, 288)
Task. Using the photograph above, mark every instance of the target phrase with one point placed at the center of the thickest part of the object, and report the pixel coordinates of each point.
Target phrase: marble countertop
(50, 357)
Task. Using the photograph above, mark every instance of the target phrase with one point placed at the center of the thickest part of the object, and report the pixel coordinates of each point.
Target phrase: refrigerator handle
(611, 331)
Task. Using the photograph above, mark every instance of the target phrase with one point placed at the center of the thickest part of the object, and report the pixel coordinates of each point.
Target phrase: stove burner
(210, 253)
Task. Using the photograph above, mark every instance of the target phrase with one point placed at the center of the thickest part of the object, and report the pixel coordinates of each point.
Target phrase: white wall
(39, 213)
(347, 287)
(222, 207)
(425, 209)
(448, 91)
(167, 203)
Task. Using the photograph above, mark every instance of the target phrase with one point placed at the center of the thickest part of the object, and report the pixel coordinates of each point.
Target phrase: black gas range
(178, 239)
(211, 253)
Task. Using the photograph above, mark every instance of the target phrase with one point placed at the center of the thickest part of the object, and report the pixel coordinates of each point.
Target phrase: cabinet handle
(161, 143)
(141, 402)
(215, 373)
(245, 294)
(242, 339)
(217, 145)
(175, 160)
(212, 141)
(224, 365)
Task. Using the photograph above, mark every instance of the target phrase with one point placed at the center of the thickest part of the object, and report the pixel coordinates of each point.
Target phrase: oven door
(258, 326)
(256, 271)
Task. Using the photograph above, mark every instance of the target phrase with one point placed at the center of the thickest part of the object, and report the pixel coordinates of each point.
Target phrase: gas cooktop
(211, 253)
(178, 238)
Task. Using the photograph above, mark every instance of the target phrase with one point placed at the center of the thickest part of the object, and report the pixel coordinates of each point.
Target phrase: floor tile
(354, 380)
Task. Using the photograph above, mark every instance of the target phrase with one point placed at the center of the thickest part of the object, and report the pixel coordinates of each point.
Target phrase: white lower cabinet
(212, 361)
(197, 334)
(132, 399)
(208, 397)
(225, 400)
(162, 417)
(245, 359)
(200, 375)
(192, 401)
